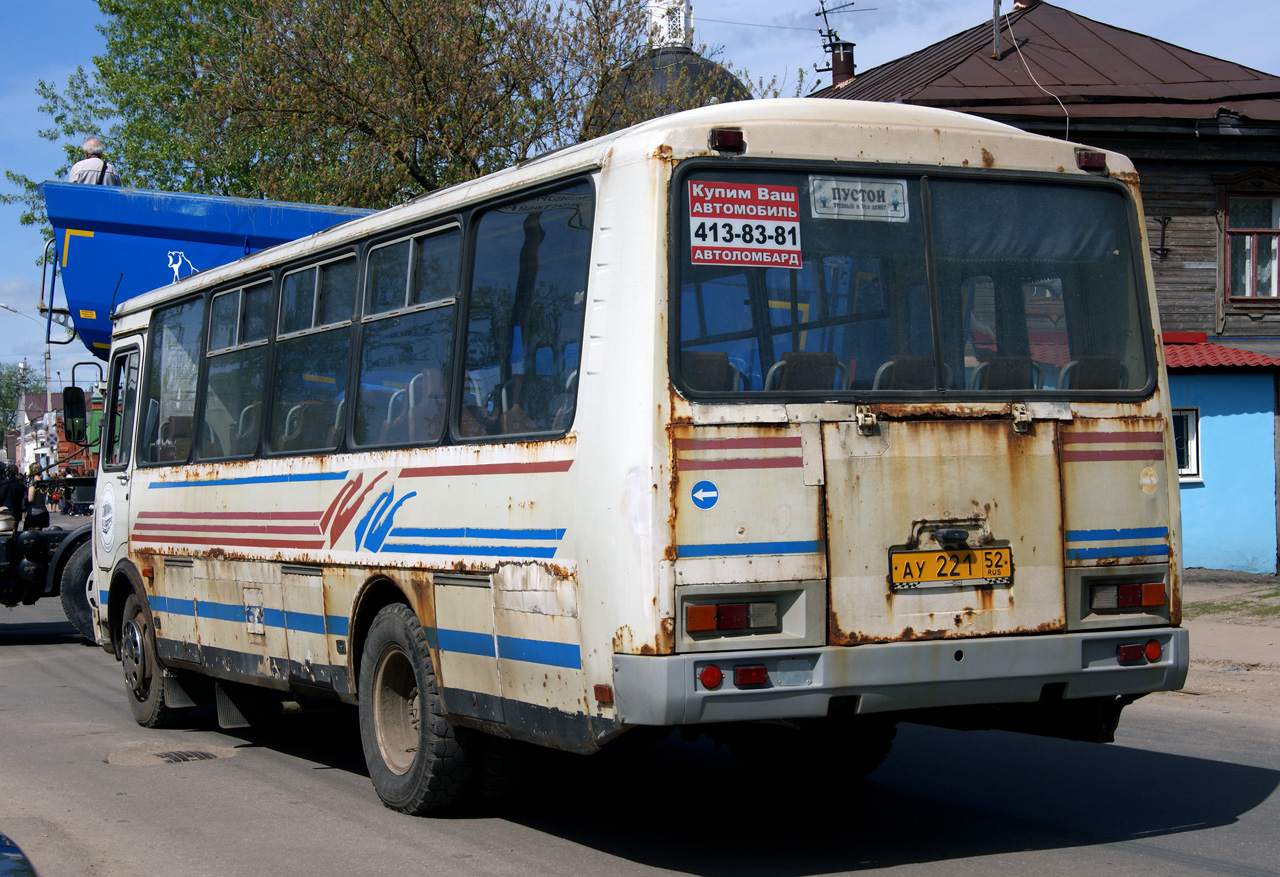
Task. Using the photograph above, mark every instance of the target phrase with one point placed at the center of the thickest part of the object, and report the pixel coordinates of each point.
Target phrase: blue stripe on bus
(739, 549)
(1118, 551)
(1129, 533)
(220, 611)
(467, 642)
(303, 622)
(477, 533)
(256, 479)
(533, 651)
(534, 551)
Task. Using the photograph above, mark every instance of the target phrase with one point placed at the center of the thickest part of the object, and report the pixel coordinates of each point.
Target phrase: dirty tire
(419, 763)
(828, 748)
(143, 675)
(75, 599)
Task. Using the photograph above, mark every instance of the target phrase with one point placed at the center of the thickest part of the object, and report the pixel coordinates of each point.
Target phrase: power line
(754, 24)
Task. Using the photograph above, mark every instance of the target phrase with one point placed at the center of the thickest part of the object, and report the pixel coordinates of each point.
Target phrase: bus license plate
(949, 568)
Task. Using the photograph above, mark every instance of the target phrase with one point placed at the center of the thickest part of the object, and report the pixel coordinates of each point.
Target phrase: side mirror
(73, 414)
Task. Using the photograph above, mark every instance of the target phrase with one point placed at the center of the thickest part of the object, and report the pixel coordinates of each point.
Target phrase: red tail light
(750, 674)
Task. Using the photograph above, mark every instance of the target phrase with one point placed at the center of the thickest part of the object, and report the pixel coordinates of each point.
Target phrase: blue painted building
(1224, 402)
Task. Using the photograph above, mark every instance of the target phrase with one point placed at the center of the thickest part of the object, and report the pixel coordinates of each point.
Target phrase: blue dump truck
(109, 245)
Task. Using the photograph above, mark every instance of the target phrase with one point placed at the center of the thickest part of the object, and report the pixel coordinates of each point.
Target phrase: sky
(766, 38)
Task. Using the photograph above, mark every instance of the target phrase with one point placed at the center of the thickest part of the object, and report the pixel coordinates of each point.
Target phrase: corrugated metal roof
(1206, 355)
(1097, 70)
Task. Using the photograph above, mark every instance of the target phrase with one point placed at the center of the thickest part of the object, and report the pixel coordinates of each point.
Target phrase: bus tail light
(727, 140)
(1140, 653)
(1127, 596)
(757, 615)
(750, 674)
(711, 676)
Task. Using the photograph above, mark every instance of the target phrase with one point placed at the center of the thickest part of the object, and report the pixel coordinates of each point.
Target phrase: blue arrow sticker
(705, 494)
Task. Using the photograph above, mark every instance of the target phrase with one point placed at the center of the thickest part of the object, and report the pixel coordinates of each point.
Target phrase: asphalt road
(83, 790)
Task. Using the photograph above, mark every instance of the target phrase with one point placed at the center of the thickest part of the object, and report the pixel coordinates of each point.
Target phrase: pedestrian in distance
(37, 509)
(94, 167)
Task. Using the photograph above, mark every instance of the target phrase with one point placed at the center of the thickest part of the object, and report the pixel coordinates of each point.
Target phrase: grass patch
(1256, 608)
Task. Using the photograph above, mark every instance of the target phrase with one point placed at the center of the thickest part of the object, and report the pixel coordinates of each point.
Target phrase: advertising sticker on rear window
(744, 224)
(861, 198)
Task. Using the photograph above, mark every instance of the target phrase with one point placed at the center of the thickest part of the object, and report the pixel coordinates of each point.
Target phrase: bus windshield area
(859, 283)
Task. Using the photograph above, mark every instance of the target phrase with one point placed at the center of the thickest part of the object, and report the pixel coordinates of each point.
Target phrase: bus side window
(237, 363)
(172, 367)
(316, 307)
(407, 343)
(527, 302)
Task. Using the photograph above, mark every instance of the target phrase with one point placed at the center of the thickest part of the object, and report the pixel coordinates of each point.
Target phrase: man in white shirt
(94, 167)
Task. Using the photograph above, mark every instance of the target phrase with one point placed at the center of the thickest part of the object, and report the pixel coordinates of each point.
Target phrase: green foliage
(13, 383)
(355, 103)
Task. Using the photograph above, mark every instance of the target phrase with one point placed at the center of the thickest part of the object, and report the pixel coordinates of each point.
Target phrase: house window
(1186, 442)
(1253, 233)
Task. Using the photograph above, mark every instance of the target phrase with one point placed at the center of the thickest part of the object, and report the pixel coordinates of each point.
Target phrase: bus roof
(892, 135)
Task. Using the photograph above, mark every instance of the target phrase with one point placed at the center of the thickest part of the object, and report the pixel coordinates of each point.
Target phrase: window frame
(1192, 473)
(433, 228)
(475, 215)
(144, 381)
(678, 242)
(210, 354)
(1252, 183)
(120, 357)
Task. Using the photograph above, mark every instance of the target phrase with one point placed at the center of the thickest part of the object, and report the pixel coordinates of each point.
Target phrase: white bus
(780, 420)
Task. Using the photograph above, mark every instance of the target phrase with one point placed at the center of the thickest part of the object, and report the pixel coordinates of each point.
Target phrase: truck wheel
(73, 584)
(143, 678)
(418, 761)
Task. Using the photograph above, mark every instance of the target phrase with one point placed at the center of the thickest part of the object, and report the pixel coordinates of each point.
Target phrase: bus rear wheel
(143, 676)
(418, 761)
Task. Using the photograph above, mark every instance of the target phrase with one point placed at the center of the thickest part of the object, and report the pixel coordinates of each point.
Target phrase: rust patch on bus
(988, 160)
(664, 153)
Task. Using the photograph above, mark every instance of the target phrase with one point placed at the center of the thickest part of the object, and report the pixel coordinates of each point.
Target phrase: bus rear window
(811, 284)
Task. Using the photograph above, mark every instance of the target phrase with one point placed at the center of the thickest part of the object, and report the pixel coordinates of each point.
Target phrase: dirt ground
(1234, 622)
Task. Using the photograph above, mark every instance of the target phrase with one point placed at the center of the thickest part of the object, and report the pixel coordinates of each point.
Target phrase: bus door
(111, 498)
(927, 521)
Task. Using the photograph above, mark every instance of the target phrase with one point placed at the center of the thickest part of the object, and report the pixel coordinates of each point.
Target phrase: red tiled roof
(1096, 69)
(1215, 356)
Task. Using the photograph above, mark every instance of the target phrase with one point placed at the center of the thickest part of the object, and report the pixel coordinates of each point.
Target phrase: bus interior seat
(709, 370)
(807, 371)
(905, 373)
(244, 438)
(417, 414)
(175, 438)
(1094, 373)
(1007, 373)
(307, 426)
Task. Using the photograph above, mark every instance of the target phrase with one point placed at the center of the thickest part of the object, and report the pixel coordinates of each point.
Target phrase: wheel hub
(133, 657)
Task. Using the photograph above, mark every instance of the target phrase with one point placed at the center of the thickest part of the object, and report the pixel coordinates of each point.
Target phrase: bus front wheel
(143, 677)
(419, 763)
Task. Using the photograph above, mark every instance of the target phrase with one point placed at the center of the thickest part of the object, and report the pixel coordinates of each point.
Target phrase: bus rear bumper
(888, 677)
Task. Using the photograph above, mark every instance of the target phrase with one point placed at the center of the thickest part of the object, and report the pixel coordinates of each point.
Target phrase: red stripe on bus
(744, 463)
(707, 444)
(261, 528)
(232, 543)
(232, 516)
(1093, 456)
(1117, 438)
(487, 469)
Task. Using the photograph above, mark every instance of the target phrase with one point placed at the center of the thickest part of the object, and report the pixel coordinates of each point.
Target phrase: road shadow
(942, 795)
(36, 633)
